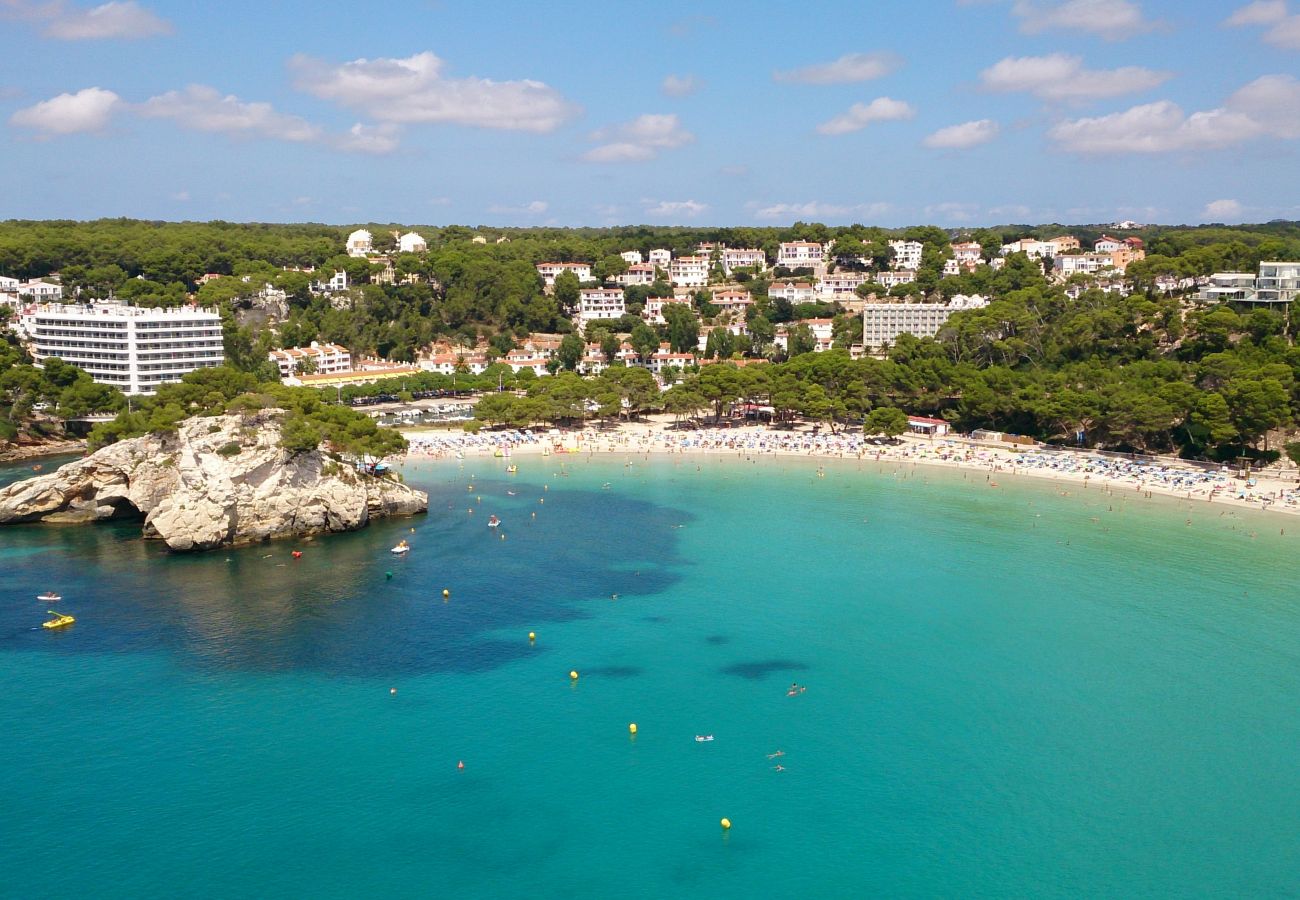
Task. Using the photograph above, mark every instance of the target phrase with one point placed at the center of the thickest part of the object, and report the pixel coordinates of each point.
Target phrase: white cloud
(1285, 34)
(818, 211)
(123, 19)
(686, 209)
(1059, 76)
(1285, 30)
(90, 109)
(203, 108)
(960, 137)
(847, 69)
(535, 208)
(1261, 12)
(376, 139)
(1267, 107)
(413, 90)
(639, 140)
(952, 212)
(680, 85)
(860, 115)
(1109, 19)
(1222, 211)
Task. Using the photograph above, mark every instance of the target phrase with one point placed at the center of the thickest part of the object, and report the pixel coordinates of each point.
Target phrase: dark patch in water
(335, 610)
(613, 671)
(658, 620)
(763, 668)
(717, 640)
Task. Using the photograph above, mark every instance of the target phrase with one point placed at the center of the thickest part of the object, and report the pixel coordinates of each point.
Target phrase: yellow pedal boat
(60, 620)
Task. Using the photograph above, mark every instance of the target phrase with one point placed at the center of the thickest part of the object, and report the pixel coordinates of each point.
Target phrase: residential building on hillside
(1081, 263)
(637, 273)
(736, 258)
(967, 253)
(595, 304)
(660, 257)
(1278, 282)
(1228, 287)
(336, 283)
(132, 348)
(548, 271)
(1036, 249)
(689, 271)
(801, 255)
(907, 254)
(823, 332)
(633, 257)
(325, 359)
(360, 243)
(653, 311)
(1063, 244)
(894, 279)
(40, 291)
(794, 291)
(412, 243)
(839, 284)
(882, 323)
(1106, 244)
(736, 302)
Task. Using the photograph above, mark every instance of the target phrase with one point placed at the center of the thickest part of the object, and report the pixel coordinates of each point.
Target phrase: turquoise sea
(1010, 691)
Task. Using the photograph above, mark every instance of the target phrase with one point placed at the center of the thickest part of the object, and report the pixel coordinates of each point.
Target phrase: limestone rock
(216, 482)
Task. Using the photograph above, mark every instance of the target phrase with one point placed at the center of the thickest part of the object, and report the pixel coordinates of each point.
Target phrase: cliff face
(216, 482)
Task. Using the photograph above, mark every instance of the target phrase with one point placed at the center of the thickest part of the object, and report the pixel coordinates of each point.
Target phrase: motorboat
(60, 620)
(493, 521)
(49, 597)
(401, 548)
(703, 738)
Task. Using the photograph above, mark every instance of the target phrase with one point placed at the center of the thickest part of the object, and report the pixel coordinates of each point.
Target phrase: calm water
(1009, 692)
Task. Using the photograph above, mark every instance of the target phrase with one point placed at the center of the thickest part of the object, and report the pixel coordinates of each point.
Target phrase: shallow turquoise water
(1009, 692)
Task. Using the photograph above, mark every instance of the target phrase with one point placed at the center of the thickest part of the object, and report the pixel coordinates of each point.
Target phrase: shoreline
(39, 451)
(1147, 479)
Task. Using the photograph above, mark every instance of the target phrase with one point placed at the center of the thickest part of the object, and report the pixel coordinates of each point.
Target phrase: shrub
(231, 449)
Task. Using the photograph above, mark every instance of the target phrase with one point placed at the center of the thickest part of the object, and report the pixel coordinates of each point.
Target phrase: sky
(892, 112)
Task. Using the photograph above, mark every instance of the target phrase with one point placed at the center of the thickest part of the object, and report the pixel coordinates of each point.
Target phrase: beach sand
(1271, 491)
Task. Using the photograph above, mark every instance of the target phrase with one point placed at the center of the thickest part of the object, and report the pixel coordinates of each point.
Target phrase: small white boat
(493, 521)
(401, 548)
(703, 738)
(49, 597)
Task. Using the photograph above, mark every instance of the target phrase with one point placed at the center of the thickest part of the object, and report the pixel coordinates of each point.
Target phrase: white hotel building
(882, 323)
(132, 348)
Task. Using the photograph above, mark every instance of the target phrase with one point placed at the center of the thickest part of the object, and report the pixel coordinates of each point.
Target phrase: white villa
(360, 243)
(548, 271)
(801, 255)
(595, 304)
(328, 359)
(689, 271)
(412, 243)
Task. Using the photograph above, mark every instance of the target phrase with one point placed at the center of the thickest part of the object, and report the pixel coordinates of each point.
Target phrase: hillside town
(657, 309)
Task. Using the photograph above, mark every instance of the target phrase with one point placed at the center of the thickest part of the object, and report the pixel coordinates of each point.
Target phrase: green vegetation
(33, 401)
(308, 421)
(1144, 371)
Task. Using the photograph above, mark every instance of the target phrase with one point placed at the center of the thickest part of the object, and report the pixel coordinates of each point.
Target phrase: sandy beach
(1271, 490)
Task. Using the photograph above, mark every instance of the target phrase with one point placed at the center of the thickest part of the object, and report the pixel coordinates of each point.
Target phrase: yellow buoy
(726, 824)
(532, 635)
(446, 593)
(631, 729)
(574, 674)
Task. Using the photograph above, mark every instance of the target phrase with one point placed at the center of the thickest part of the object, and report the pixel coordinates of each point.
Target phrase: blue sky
(894, 112)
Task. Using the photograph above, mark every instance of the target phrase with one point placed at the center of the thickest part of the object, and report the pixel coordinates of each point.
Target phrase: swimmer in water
(776, 754)
(779, 768)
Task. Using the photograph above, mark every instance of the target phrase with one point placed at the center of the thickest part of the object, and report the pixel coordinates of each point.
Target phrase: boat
(510, 470)
(703, 738)
(60, 620)
(401, 548)
(49, 597)
(493, 521)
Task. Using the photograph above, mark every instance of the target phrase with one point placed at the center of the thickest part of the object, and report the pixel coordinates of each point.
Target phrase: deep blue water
(1009, 692)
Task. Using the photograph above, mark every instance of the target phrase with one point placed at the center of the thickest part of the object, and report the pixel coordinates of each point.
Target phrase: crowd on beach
(1211, 483)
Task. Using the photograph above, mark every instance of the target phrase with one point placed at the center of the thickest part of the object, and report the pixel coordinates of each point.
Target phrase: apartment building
(134, 349)
(548, 271)
(882, 323)
(326, 359)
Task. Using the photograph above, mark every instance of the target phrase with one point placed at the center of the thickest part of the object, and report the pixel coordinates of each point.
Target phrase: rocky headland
(214, 482)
